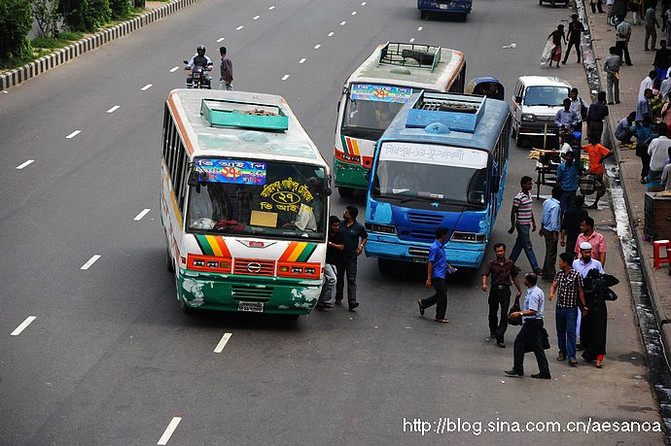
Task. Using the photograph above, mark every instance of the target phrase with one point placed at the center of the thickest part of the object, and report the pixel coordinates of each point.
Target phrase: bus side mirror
(196, 178)
(496, 183)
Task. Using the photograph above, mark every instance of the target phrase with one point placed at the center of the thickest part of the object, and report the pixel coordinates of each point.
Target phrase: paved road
(109, 359)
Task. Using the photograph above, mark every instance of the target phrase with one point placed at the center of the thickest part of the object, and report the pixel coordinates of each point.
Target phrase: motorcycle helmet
(200, 48)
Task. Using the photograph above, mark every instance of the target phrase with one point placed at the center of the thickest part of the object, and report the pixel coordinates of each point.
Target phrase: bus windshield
(252, 198)
(370, 108)
(424, 174)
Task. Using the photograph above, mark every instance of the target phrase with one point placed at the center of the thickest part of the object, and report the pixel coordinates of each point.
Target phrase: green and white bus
(374, 94)
(244, 203)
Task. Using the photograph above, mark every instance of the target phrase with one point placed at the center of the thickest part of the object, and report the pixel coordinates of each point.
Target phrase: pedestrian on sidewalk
(666, 173)
(550, 227)
(566, 119)
(643, 107)
(662, 60)
(579, 107)
(596, 4)
(622, 36)
(226, 68)
(575, 30)
(437, 270)
(352, 232)
(635, 6)
(657, 151)
(626, 129)
(583, 265)
(612, 69)
(568, 289)
(570, 225)
(334, 256)
(665, 87)
(651, 26)
(595, 239)
(522, 220)
(597, 153)
(646, 133)
(504, 273)
(646, 84)
(531, 331)
(567, 177)
(557, 36)
(597, 112)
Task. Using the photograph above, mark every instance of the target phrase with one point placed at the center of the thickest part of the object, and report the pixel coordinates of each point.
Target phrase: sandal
(561, 357)
(599, 364)
(442, 321)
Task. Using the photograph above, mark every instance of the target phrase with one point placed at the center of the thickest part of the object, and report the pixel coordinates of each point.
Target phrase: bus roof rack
(244, 115)
(459, 112)
(410, 54)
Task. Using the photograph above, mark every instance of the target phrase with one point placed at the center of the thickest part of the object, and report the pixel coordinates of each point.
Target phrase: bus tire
(423, 15)
(462, 17)
(520, 140)
(168, 262)
(386, 267)
(345, 192)
(184, 307)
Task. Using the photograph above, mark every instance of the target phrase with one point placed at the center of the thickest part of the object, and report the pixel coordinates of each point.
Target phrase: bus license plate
(442, 6)
(420, 260)
(255, 307)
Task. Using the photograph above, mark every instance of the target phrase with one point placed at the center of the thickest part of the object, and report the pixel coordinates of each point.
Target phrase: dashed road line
(318, 46)
(90, 262)
(25, 164)
(222, 343)
(343, 23)
(412, 40)
(420, 28)
(113, 109)
(331, 34)
(17, 331)
(239, 27)
(285, 77)
(302, 60)
(256, 17)
(353, 12)
(146, 87)
(169, 431)
(271, 8)
(173, 69)
(363, 4)
(139, 216)
(73, 134)
(221, 39)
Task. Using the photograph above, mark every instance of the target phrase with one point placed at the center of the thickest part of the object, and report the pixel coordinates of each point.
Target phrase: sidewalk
(603, 35)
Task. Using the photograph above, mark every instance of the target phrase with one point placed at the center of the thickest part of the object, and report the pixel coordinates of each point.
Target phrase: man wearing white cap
(583, 265)
(567, 177)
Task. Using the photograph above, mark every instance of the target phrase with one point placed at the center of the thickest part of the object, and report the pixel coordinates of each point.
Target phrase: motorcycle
(199, 77)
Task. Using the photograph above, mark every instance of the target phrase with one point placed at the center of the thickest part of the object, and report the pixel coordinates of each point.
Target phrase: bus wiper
(426, 197)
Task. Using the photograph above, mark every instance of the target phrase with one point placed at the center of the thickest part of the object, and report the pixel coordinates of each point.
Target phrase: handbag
(516, 320)
(609, 295)
(587, 183)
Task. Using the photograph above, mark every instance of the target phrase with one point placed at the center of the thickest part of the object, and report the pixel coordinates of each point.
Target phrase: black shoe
(353, 305)
(610, 103)
(421, 308)
(500, 344)
(492, 335)
(538, 271)
(573, 363)
(563, 62)
(617, 102)
(541, 376)
(513, 372)
(579, 347)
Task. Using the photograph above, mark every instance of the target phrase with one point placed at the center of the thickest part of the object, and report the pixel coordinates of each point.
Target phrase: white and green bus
(244, 203)
(374, 94)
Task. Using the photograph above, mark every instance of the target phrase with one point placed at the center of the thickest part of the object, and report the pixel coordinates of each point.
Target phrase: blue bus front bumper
(459, 254)
(455, 6)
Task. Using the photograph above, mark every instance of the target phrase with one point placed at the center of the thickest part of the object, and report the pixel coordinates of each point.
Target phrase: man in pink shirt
(598, 241)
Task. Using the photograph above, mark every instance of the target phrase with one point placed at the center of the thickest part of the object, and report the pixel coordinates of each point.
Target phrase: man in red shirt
(597, 153)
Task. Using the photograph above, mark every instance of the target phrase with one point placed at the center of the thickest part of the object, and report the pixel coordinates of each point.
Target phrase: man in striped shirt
(522, 219)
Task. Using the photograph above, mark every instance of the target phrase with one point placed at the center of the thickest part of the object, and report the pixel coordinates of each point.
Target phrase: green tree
(47, 16)
(16, 20)
(85, 15)
(120, 9)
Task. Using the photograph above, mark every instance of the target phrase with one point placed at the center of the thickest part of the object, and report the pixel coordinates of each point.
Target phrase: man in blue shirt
(567, 177)
(550, 226)
(437, 269)
(567, 118)
(643, 106)
(531, 331)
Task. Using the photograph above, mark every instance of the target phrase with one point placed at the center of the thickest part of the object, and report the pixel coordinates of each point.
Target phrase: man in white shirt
(658, 151)
(646, 83)
(666, 174)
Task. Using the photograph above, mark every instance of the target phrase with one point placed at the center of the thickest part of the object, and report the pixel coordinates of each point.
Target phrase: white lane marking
(363, 4)
(73, 134)
(419, 29)
(146, 87)
(113, 109)
(222, 343)
(221, 39)
(331, 34)
(317, 46)
(139, 216)
(343, 23)
(353, 12)
(17, 331)
(256, 17)
(239, 27)
(412, 40)
(25, 164)
(91, 261)
(285, 77)
(302, 60)
(271, 8)
(173, 69)
(169, 430)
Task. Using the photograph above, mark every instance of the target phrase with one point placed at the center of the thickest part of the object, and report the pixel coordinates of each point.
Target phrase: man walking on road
(437, 269)
(622, 36)
(568, 288)
(567, 177)
(226, 78)
(597, 153)
(550, 226)
(595, 239)
(575, 29)
(352, 232)
(570, 224)
(503, 272)
(522, 219)
(530, 333)
(612, 69)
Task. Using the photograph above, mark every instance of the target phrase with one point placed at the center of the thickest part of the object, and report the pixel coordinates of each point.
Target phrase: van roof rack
(459, 112)
(244, 115)
(410, 54)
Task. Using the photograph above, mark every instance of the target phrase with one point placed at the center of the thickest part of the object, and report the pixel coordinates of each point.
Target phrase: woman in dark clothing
(595, 323)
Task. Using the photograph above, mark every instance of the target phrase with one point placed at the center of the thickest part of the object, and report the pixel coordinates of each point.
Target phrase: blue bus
(460, 8)
(441, 162)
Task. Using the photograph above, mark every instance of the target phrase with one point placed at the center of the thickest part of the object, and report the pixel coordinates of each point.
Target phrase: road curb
(58, 57)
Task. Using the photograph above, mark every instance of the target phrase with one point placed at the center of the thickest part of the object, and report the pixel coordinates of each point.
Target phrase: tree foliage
(16, 21)
(85, 15)
(120, 9)
(46, 16)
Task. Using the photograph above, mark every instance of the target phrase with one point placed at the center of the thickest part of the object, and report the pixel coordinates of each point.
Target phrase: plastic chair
(659, 260)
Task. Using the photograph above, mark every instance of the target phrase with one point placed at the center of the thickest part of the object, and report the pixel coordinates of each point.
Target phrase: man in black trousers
(504, 273)
(530, 333)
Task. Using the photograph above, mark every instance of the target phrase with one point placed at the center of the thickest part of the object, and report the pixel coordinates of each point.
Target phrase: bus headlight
(385, 229)
(528, 117)
(470, 237)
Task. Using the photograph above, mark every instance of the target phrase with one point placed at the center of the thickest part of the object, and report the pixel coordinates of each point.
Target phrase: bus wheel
(462, 17)
(520, 141)
(345, 192)
(168, 262)
(423, 15)
(386, 266)
(184, 307)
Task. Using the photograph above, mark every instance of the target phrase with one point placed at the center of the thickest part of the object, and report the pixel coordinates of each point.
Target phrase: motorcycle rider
(199, 59)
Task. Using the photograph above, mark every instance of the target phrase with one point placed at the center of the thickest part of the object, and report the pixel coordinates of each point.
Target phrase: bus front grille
(248, 293)
(418, 252)
(254, 267)
(420, 218)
